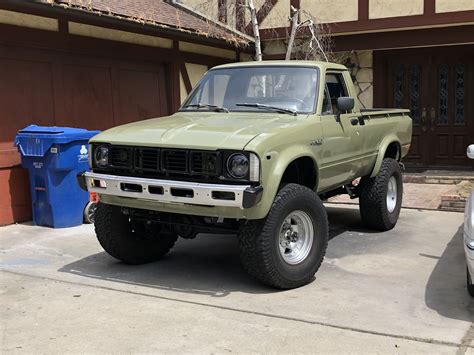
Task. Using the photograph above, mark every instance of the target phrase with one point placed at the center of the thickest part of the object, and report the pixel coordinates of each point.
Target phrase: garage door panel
(138, 95)
(25, 96)
(49, 87)
(88, 97)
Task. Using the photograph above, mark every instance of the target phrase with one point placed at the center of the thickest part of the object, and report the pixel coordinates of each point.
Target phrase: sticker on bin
(83, 156)
(38, 164)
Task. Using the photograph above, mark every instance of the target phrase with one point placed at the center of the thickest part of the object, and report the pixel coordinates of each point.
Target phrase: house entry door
(437, 85)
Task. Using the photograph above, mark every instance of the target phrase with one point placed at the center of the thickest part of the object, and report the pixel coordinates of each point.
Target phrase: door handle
(423, 119)
(354, 121)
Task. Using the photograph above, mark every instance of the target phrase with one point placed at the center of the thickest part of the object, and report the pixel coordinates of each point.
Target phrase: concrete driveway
(398, 291)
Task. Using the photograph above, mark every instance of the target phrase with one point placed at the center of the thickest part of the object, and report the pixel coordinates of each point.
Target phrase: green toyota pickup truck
(253, 151)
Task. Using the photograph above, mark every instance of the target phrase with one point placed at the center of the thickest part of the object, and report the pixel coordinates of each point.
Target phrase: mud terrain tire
(380, 197)
(132, 243)
(262, 244)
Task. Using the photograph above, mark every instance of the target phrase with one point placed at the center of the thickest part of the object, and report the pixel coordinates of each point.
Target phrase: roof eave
(130, 24)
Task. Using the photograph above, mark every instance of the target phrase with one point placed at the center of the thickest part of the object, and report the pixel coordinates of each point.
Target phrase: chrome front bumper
(169, 191)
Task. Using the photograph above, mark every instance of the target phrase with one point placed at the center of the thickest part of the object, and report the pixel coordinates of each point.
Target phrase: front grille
(175, 161)
(165, 163)
(120, 157)
(147, 159)
(204, 163)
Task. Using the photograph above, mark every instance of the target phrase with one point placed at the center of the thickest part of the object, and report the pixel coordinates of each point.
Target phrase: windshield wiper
(215, 107)
(268, 107)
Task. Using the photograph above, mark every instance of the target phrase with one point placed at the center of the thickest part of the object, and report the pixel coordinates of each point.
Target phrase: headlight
(238, 166)
(243, 166)
(101, 156)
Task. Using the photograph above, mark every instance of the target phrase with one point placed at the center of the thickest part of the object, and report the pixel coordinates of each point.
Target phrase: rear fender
(382, 150)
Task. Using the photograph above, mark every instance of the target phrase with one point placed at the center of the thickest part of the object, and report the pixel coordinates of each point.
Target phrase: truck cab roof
(286, 63)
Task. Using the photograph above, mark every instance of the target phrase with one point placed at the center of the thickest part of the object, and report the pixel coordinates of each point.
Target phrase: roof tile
(157, 13)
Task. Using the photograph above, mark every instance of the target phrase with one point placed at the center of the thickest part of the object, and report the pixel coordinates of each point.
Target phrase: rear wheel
(380, 197)
(133, 242)
(285, 249)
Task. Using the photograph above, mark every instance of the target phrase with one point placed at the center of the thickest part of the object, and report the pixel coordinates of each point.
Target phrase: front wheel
(380, 197)
(133, 242)
(285, 249)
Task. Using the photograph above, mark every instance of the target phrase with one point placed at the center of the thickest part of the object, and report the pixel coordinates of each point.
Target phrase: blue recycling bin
(53, 157)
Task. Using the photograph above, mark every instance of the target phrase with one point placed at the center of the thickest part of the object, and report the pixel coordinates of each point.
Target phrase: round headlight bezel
(230, 167)
(101, 161)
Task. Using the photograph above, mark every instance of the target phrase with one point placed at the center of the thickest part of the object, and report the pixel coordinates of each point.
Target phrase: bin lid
(35, 140)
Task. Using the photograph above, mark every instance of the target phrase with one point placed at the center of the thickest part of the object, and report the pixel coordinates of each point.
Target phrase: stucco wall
(278, 17)
(245, 57)
(117, 35)
(26, 20)
(207, 7)
(195, 73)
(182, 88)
(454, 5)
(274, 47)
(394, 8)
(206, 50)
(364, 78)
(327, 11)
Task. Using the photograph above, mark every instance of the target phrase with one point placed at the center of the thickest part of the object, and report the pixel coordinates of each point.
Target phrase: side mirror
(345, 104)
(470, 151)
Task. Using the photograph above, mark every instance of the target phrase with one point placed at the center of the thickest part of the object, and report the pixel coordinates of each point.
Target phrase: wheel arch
(302, 170)
(274, 167)
(390, 147)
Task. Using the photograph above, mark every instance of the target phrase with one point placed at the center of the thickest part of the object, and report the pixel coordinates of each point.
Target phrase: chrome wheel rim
(392, 194)
(91, 212)
(296, 237)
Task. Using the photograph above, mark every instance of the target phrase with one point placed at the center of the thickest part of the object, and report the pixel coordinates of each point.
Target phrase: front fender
(381, 154)
(273, 170)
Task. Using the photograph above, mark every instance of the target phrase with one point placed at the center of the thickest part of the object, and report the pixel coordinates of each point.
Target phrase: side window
(335, 88)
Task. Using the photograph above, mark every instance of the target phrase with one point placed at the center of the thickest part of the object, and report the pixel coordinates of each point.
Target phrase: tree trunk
(294, 27)
(256, 32)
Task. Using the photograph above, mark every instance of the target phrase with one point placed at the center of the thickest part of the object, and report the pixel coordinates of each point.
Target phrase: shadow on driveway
(446, 288)
(207, 265)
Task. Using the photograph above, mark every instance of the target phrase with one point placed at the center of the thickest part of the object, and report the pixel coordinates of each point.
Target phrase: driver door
(342, 138)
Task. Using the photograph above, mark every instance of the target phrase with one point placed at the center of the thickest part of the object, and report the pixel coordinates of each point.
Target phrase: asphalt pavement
(401, 291)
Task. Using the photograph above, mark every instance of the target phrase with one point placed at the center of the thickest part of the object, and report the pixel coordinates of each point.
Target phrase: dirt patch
(464, 188)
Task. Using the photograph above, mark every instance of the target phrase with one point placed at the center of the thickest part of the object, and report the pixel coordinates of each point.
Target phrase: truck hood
(198, 130)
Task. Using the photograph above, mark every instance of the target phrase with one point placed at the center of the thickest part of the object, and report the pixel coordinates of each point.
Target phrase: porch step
(445, 179)
(454, 203)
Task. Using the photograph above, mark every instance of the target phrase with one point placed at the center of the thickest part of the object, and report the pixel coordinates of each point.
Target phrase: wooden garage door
(53, 88)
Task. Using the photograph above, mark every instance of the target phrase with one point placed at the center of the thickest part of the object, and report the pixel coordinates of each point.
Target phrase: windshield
(282, 89)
